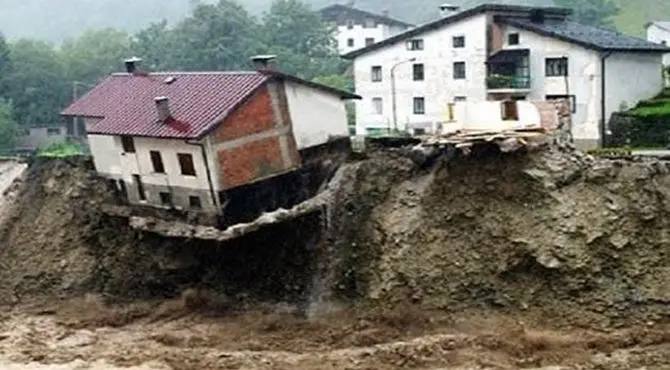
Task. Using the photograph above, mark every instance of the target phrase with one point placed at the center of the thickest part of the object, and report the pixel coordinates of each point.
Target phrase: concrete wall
(256, 141)
(659, 35)
(631, 77)
(37, 137)
(438, 88)
(584, 79)
(317, 116)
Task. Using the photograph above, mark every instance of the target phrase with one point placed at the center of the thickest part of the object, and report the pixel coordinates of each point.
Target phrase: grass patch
(61, 150)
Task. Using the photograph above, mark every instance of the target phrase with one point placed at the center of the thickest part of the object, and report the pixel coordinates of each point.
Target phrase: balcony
(509, 71)
(507, 82)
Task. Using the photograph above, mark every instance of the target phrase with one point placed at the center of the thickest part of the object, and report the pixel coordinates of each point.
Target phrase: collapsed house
(187, 140)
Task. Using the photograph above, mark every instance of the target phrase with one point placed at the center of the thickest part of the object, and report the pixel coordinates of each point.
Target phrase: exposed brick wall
(253, 117)
(242, 165)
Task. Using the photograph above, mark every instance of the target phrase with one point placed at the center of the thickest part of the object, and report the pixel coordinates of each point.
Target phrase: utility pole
(393, 92)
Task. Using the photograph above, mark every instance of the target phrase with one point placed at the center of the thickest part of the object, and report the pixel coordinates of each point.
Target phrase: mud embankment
(554, 233)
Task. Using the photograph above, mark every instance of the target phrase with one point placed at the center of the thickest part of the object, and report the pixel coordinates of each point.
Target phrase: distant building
(659, 32)
(497, 52)
(35, 137)
(358, 28)
(182, 140)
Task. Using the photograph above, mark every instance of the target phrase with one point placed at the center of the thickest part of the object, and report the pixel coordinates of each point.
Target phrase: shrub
(61, 149)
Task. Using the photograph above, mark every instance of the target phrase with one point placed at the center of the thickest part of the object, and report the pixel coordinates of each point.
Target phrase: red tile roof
(198, 101)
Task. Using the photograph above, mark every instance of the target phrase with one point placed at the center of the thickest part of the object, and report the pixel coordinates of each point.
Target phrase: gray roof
(662, 24)
(588, 36)
(441, 22)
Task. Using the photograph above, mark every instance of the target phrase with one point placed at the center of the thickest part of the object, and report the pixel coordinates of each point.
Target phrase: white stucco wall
(583, 78)
(359, 33)
(438, 87)
(487, 116)
(658, 35)
(111, 161)
(317, 116)
(631, 77)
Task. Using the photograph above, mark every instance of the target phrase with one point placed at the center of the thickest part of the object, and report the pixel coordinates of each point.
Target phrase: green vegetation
(634, 15)
(62, 149)
(647, 125)
(8, 127)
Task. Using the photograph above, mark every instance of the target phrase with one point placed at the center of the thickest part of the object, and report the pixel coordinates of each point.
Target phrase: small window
(157, 161)
(350, 24)
(186, 164)
(194, 202)
(460, 98)
(53, 131)
(556, 67)
(459, 70)
(458, 41)
(419, 106)
(416, 44)
(418, 72)
(166, 199)
(369, 41)
(376, 73)
(572, 101)
(128, 144)
(450, 112)
(513, 39)
(509, 111)
(350, 43)
(377, 105)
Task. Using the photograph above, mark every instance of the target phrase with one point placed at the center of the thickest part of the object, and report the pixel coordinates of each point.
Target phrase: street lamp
(393, 93)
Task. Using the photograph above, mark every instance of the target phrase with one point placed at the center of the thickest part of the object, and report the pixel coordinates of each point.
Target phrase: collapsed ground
(489, 260)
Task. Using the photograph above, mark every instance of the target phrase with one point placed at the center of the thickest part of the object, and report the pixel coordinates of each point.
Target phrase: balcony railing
(503, 82)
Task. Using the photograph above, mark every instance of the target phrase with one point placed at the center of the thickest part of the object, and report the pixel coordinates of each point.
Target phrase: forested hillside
(57, 20)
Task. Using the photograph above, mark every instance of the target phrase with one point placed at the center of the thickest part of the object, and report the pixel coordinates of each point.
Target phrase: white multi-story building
(357, 28)
(659, 32)
(495, 52)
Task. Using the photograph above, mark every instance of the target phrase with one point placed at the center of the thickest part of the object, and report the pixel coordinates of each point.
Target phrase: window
(137, 180)
(556, 67)
(157, 161)
(450, 112)
(369, 41)
(350, 24)
(513, 39)
(419, 106)
(186, 164)
(350, 43)
(509, 111)
(459, 70)
(376, 73)
(416, 44)
(128, 144)
(418, 72)
(194, 202)
(53, 131)
(572, 101)
(166, 199)
(460, 98)
(377, 105)
(458, 41)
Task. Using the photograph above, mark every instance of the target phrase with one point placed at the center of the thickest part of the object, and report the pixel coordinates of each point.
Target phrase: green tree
(156, 45)
(302, 41)
(215, 37)
(38, 84)
(592, 12)
(5, 67)
(94, 55)
(8, 127)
